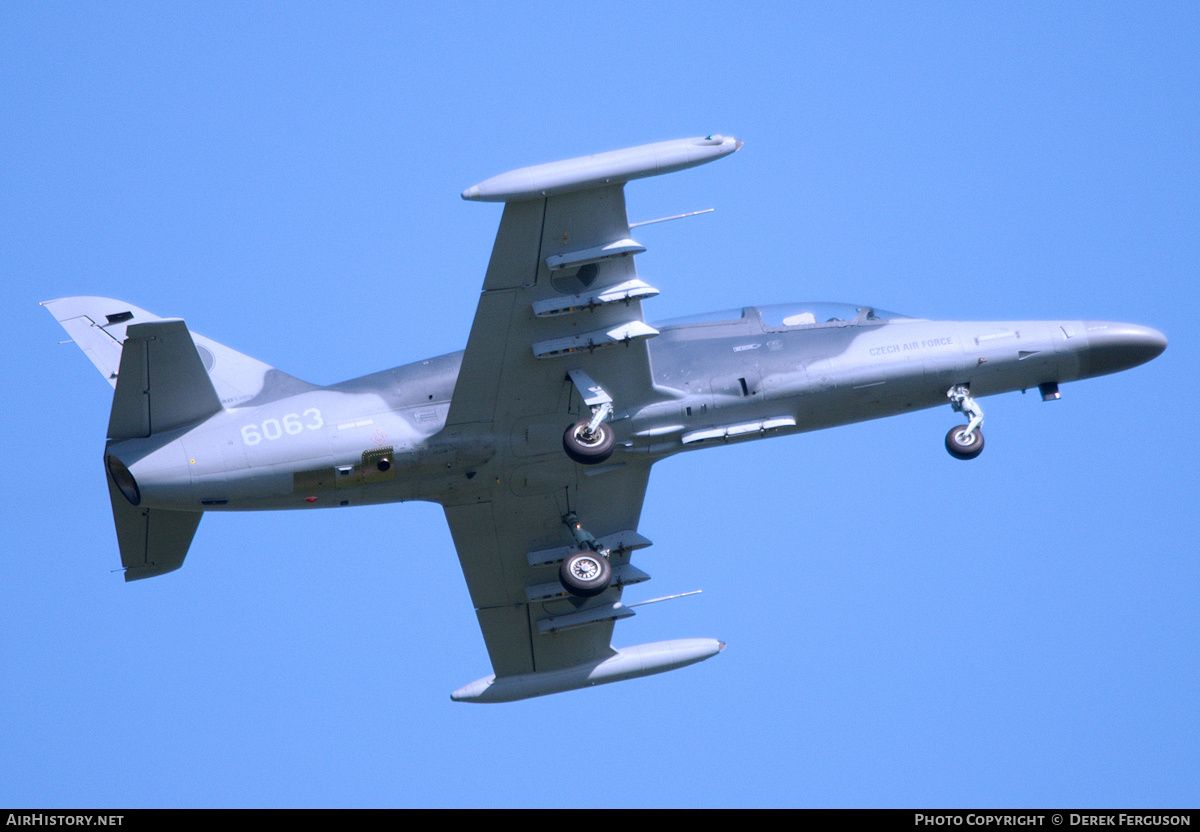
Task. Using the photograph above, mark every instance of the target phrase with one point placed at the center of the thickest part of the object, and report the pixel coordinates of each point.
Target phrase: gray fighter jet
(538, 439)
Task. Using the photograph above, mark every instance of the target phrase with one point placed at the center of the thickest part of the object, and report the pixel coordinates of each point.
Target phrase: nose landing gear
(963, 445)
(965, 441)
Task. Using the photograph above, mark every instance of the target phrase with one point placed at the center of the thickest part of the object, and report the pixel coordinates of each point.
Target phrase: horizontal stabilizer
(152, 540)
(162, 384)
(628, 663)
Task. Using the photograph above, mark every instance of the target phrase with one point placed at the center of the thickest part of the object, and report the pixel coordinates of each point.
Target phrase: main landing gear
(585, 573)
(590, 442)
(965, 441)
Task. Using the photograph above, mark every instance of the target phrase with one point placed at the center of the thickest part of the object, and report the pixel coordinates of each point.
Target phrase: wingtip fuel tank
(612, 168)
(627, 663)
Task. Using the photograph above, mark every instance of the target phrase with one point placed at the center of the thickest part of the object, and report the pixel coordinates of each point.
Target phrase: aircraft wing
(517, 602)
(559, 327)
(517, 359)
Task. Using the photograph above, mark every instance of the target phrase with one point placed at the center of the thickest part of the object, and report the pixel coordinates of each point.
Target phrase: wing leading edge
(561, 299)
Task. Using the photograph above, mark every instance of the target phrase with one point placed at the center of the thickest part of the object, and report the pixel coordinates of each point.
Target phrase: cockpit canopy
(787, 316)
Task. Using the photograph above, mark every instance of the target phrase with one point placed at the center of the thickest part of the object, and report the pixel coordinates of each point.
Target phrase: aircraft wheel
(962, 446)
(588, 450)
(585, 574)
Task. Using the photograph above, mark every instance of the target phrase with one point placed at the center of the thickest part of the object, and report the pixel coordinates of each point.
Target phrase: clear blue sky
(904, 629)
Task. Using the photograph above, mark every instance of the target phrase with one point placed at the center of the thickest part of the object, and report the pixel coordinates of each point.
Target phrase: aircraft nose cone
(1113, 347)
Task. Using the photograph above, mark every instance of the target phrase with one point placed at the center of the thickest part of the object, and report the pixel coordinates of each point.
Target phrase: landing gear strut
(590, 441)
(965, 441)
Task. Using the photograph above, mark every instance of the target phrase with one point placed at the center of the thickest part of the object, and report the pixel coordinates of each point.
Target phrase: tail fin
(100, 326)
(163, 378)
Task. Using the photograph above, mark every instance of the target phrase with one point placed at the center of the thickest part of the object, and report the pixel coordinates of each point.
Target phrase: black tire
(585, 574)
(588, 450)
(961, 448)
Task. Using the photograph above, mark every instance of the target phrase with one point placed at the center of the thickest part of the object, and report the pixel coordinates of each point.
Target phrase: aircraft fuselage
(721, 378)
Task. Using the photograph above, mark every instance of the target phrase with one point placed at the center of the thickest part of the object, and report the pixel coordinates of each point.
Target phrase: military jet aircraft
(538, 438)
